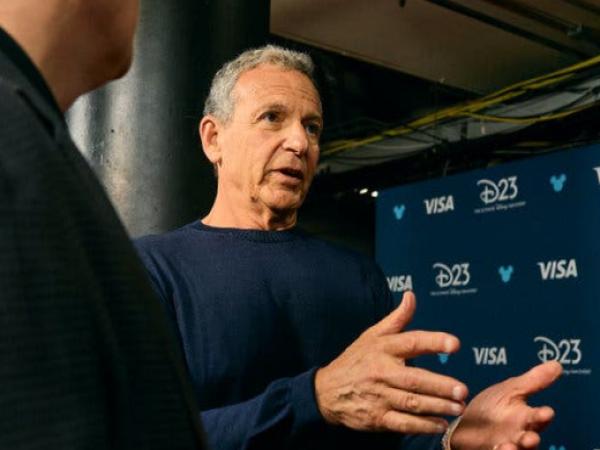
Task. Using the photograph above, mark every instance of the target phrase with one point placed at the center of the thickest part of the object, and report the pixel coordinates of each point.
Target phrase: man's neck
(251, 217)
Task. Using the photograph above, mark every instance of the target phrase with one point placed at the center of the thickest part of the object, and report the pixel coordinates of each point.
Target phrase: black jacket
(86, 361)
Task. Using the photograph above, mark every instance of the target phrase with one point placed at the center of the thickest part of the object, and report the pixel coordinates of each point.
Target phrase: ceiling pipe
(582, 4)
(509, 28)
(571, 29)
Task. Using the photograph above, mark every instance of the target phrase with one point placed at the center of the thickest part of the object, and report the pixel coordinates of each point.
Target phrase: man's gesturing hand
(369, 386)
(500, 418)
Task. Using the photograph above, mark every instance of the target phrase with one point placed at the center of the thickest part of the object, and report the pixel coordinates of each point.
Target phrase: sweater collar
(249, 234)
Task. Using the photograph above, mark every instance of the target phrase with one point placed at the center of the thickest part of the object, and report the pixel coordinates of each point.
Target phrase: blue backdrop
(508, 259)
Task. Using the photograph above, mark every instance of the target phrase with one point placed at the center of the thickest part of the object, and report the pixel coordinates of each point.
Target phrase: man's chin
(124, 65)
(118, 62)
(285, 206)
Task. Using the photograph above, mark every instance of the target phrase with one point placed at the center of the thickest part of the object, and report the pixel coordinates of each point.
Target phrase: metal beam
(509, 28)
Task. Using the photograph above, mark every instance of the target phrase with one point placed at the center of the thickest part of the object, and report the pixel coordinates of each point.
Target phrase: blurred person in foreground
(86, 359)
(292, 342)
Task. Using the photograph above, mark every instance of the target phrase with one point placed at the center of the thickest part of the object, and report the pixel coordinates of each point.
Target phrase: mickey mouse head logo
(399, 211)
(506, 273)
(558, 182)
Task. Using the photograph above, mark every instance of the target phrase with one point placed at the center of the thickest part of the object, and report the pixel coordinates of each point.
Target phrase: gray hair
(220, 102)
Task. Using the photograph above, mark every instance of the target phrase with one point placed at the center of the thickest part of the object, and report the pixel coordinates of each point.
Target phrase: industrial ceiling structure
(475, 45)
(414, 58)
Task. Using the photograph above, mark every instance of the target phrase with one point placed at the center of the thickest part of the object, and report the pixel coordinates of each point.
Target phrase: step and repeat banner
(508, 259)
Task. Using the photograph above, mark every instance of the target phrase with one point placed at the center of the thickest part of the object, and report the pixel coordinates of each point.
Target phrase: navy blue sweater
(257, 313)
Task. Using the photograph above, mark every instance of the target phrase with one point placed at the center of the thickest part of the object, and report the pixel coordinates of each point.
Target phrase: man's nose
(296, 139)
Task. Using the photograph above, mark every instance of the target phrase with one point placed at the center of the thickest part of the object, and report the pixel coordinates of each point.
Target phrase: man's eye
(270, 116)
(314, 129)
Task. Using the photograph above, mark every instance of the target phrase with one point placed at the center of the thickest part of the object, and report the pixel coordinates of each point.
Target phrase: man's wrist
(319, 397)
(447, 438)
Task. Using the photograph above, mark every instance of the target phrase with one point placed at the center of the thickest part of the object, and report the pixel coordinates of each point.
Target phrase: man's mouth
(293, 173)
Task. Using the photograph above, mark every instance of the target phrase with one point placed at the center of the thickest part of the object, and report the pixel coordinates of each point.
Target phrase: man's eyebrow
(275, 106)
(281, 107)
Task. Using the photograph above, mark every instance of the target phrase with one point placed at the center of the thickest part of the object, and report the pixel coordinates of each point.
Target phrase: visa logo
(558, 269)
(490, 356)
(400, 283)
(438, 205)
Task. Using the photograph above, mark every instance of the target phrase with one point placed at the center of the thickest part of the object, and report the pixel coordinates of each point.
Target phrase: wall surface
(507, 259)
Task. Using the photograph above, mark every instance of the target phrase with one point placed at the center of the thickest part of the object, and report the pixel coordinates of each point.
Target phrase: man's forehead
(270, 81)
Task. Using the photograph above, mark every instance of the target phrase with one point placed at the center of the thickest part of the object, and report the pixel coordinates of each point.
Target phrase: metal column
(140, 133)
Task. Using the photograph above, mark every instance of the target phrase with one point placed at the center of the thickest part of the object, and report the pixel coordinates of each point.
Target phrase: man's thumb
(395, 321)
(538, 378)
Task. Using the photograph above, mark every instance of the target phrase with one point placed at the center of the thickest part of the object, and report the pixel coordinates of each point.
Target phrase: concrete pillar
(140, 133)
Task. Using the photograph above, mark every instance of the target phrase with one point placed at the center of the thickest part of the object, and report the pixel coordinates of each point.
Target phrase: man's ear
(209, 129)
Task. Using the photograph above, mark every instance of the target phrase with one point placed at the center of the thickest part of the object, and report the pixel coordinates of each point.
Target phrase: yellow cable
(530, 120)
(471, 108)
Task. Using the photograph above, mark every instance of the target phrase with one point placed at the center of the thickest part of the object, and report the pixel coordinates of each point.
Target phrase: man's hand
(499, 417)
(369, 386)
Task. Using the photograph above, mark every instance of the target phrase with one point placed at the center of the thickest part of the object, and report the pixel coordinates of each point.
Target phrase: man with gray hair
(292, 342)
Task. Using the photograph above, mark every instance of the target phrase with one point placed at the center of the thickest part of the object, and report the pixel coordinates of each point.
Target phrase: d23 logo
(503, 190)
(566, 351)
(455, 275)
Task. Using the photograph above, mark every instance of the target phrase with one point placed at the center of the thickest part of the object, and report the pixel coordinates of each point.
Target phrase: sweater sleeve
(422, 442)
(161, 290)
(279, 416)
(378, 290)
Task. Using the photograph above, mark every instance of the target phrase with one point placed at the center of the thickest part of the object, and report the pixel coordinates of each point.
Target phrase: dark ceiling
(384, 63)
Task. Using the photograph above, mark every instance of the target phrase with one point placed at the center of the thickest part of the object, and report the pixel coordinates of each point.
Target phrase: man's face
(270, 146)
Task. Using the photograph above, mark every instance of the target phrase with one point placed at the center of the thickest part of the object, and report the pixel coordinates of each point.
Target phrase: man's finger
(541, 417)
(395, 321)
(536, 379)
(421, 381)
(505, 446)
(409, 424)
(528, 440)
(411, 344)
(412, 403)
